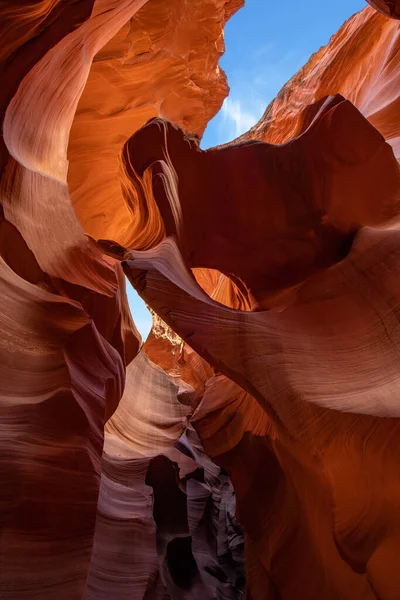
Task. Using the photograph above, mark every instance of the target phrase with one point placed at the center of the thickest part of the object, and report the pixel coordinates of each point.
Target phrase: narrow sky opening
(266, 44)
(140, 313)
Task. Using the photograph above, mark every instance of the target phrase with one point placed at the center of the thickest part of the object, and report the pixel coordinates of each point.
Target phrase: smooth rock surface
(272, 265)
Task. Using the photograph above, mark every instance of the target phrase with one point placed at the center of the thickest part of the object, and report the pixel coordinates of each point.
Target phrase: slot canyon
(247, 449)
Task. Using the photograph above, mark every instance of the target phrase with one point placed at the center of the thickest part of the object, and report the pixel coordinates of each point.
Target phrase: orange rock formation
(164, 61)
(271, 264)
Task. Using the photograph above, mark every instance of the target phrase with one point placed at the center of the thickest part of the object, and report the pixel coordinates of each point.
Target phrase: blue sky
(266, 43)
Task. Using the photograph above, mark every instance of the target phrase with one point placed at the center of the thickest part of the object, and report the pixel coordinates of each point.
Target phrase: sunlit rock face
(67, 337)
(164, 61)
(267, 390)
(304, 408)
(361, 62)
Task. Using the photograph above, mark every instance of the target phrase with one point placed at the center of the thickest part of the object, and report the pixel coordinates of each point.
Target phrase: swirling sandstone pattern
(175, 46)
(66, 330)
(274, 261)
(180, 539)
(316, 410)
(65, 335)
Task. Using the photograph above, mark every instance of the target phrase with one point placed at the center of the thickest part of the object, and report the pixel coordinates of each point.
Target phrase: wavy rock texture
(276, 322)
(65, 334)
(165, 525)
(164, 61)
(304, 418)
(321, 465)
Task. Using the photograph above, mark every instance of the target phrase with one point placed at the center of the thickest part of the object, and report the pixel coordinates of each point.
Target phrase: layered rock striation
(67, 333)
(272, 266)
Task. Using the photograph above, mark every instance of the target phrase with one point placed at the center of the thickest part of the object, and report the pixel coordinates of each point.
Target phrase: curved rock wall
(64, 335)
(67, 333)
(286, 305)
(308, 430)
(164, 61)
(165, 526)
